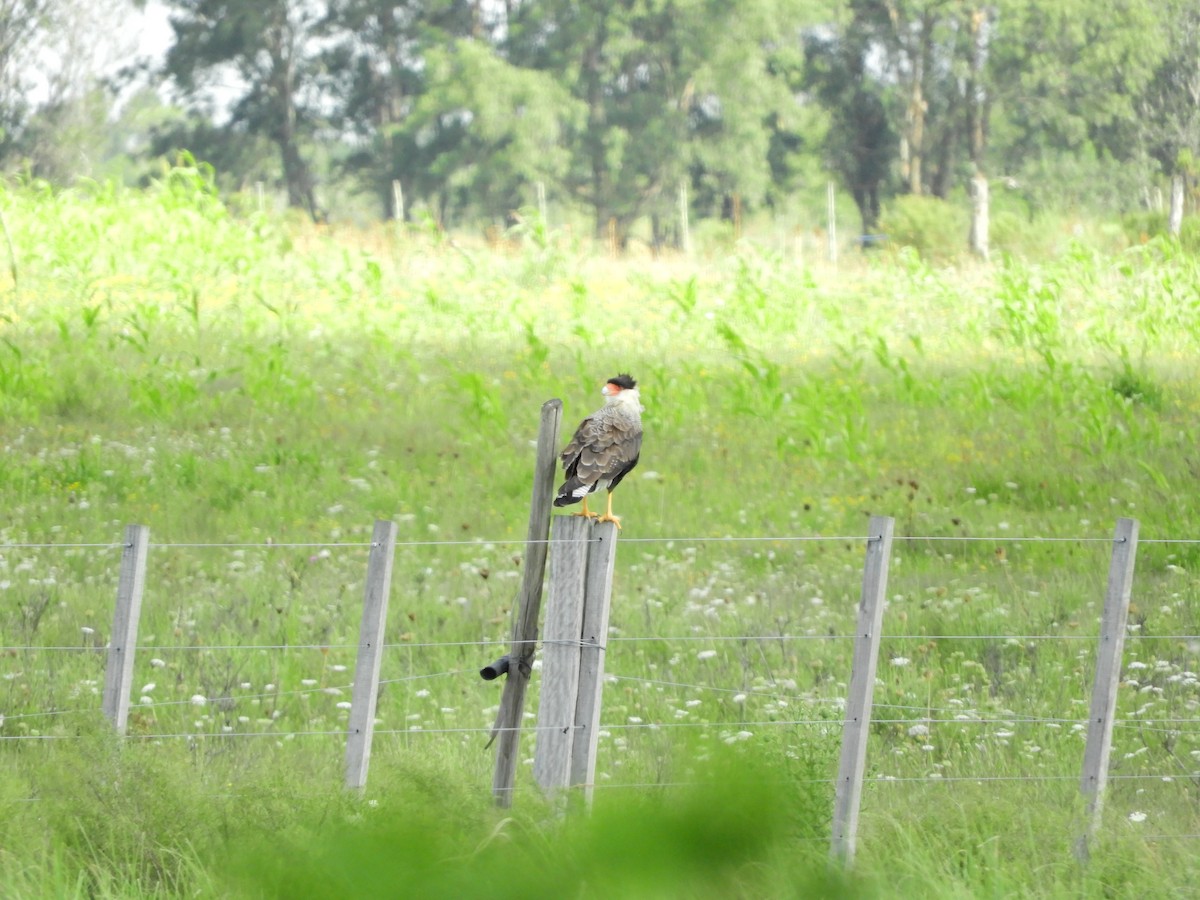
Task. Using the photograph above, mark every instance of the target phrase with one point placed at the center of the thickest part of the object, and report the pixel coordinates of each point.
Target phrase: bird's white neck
(626, 399)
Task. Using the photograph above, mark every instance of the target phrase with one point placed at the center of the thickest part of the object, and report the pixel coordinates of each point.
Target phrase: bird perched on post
(604, 449)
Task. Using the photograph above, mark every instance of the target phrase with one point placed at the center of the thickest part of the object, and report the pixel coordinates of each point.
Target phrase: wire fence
(927, 716)
(1002, 538)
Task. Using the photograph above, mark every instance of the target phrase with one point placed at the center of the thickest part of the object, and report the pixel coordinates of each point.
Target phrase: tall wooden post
(862, 688)
(529, 604)
(370, 654)
(577, 611)
(1108, 676)
(122, 644)
(597, 601)
(559, 686)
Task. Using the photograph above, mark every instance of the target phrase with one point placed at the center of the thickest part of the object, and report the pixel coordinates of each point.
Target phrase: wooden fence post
(1108, 677)
(529, 604)
(559, 692)
(862, 687)
(122, 644)
(597, 601)
(370, 654)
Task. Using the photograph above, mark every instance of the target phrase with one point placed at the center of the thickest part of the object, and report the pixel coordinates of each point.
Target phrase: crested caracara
(604, 449)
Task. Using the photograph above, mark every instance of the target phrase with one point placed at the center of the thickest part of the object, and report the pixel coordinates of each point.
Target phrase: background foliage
(473, 108)
(258, 392)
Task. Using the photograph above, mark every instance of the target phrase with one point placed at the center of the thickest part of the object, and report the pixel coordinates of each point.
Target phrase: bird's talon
(616, 520)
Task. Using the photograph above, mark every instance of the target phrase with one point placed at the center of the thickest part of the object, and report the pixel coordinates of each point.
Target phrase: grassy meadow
(258, 391)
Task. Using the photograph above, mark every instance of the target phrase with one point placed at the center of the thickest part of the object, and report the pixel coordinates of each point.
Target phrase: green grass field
(259, 392)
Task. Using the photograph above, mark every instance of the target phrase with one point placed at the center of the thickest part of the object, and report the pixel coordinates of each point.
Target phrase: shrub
(1141, 227)
(936, 229)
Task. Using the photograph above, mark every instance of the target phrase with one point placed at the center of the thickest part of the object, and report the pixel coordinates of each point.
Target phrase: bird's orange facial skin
(610, 389)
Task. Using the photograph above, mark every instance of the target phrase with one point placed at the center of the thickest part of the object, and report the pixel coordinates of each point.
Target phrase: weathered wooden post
(1108, 677)
(122, 644)
(519, 662)
(370, 654)
(862, 688)
(559, 686)
(597, 602)
(572, 680)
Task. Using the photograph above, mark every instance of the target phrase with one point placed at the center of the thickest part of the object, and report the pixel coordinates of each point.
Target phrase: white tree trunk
(1175, 217)
(979, 216)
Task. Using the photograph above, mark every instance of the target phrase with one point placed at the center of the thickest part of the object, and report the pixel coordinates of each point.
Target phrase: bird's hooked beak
(610, 389)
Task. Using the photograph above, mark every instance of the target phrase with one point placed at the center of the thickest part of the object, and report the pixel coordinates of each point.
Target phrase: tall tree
(915, 41)
(483, 132)
(861, 143)
(374, 65)
(53, 104)
(262, 53)
(24, 28)
(1064, 75)
(975, 89)
(1169, 110)
(745, 100)
(658, 81)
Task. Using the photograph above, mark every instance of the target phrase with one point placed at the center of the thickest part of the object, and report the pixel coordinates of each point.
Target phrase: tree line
(613, 105)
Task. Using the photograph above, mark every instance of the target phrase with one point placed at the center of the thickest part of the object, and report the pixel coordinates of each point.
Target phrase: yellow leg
(587, 513)
(608, 514)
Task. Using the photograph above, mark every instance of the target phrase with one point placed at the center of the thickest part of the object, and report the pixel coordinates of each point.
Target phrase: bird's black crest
(624, 381)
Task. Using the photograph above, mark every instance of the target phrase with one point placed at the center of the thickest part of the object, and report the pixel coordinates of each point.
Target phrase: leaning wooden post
(862, 687)
(597, 601)
(519, 662)
(559, 692)
(370, 654)
(1108, 677)
(123, 643)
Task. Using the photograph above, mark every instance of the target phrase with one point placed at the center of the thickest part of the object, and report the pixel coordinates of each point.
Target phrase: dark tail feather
(565, 497)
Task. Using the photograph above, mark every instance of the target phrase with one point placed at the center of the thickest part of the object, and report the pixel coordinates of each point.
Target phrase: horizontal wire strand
(666, 639)
(1006, 721)
(686, 539)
